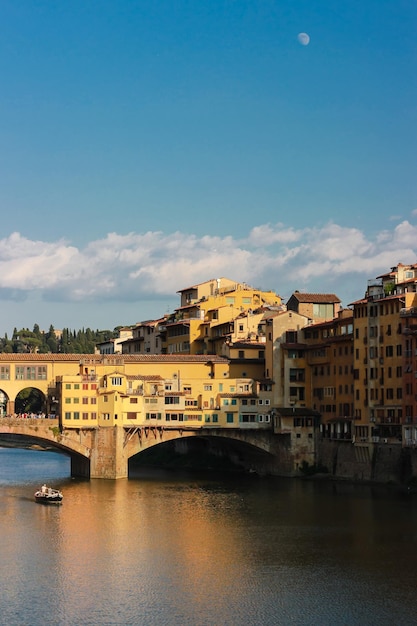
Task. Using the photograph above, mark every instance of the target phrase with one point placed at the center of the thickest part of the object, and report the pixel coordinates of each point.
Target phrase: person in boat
(43, 489)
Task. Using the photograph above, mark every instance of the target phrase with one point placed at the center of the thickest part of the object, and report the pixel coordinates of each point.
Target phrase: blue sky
(149, 145)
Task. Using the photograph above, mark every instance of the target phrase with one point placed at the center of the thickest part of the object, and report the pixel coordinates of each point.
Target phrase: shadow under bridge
(211, 448)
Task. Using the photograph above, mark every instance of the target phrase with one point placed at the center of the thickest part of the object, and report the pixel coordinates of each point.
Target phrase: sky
(150, 145)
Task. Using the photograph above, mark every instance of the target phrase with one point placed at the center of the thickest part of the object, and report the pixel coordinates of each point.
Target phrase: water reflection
(173, 549)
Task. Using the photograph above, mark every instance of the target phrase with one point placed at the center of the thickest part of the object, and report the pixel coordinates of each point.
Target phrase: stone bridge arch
(31, 399)
(9, 396)
(75, 444)
(250, 450)
(105, 452)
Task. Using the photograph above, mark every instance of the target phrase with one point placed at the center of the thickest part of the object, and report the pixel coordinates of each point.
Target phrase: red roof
(315, 298)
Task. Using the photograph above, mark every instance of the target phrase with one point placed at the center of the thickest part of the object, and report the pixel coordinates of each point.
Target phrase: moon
(303, 39)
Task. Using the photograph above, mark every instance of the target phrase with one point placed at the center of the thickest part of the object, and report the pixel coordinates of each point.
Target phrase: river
(182, 549)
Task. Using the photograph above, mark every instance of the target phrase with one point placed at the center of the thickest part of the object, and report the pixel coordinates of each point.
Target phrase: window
(116, 381)
(229, 418)
(5, 372)
(172, 400)
(85, 416)
(41, 372)
(291, 336)
(76, 415)
(248, 418)
(153, 416)
(296, 354)
(323, 310)
(30, 373)
(297, 375)
(67, 415)
(174, 417)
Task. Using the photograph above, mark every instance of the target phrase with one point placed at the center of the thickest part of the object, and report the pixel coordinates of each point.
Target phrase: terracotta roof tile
(109, 359)
(315, 297)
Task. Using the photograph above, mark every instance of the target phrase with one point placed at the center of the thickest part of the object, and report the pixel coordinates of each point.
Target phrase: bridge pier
(108, 455)
(80, 466)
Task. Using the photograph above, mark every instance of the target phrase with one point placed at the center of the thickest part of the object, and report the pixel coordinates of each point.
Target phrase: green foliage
(29, 400)
(389, 288)
(68, 341)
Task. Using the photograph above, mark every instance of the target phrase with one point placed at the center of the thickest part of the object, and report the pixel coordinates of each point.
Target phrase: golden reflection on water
(149, 538)
(169, 549)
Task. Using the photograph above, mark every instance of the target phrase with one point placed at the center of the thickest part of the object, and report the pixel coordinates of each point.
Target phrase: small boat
(47, 495)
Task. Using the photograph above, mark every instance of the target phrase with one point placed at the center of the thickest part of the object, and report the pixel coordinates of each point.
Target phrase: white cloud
(135, 267)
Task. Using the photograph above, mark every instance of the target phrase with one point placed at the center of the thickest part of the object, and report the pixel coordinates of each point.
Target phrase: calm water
(178, 550)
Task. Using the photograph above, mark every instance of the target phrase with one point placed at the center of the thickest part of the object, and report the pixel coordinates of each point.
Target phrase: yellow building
(209, 315)
(159, 391)
(285, 362)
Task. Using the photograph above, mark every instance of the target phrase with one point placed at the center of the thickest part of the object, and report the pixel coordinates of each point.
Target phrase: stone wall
(381, 463)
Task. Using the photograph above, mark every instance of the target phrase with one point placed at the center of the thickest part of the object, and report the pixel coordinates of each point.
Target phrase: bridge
(102, 410)
(105, 452)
